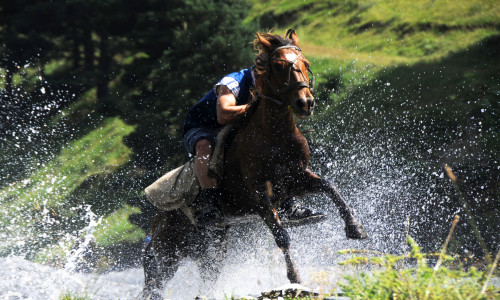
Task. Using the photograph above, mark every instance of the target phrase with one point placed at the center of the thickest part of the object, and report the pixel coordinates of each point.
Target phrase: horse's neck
(275, 119)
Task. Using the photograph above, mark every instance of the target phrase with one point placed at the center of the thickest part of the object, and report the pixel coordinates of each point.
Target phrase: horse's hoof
(354, 230)
(294, 278)
(150, 294)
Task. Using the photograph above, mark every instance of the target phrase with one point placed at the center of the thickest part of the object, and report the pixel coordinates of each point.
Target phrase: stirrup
(208, 216)
(207, 208)
(297, 214)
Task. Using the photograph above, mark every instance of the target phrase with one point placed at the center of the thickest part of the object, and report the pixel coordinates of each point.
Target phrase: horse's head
(282, 72)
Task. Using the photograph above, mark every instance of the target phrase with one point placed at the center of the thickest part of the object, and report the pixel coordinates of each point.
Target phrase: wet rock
(290, 290)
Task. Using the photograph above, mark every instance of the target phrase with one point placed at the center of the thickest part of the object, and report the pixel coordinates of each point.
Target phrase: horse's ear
(264, 43)
(293, 36)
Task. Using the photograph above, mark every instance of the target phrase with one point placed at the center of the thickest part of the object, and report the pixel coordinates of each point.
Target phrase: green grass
(39, 208)
(99, 152)
(394, 281)
(116, 228)
(71, 296)
(396, 29)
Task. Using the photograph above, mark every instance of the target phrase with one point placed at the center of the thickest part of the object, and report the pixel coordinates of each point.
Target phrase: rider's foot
(207, 208)
(292, 212)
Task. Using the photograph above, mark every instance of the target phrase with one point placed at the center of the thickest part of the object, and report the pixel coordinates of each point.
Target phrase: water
(253, 265)
(22, 279)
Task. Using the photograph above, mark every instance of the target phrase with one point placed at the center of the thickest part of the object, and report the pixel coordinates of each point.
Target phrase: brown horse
(266, 162)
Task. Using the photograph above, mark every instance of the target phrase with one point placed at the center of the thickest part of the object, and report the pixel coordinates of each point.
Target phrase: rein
(287, 86)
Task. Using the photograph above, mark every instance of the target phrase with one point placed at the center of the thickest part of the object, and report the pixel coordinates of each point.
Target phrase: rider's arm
(227, 110)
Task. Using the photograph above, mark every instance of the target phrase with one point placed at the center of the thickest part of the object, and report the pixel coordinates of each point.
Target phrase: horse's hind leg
(154, 275)
(150, 267)
(212, 256)
(162, 254)
(311, 183)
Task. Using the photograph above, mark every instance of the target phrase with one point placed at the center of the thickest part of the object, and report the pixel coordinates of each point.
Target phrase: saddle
(178, 188)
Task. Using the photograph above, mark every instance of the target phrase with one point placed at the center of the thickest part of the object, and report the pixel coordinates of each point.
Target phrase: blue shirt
(204, 113)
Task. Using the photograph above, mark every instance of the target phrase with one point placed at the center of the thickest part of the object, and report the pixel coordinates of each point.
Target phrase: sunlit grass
(116, 228)
(41, 199)
(396, 281)
(384, 31)
(71, 296)
(99, 152)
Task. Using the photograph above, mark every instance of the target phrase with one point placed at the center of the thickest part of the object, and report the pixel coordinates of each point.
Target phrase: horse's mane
(261, 68)
(261, 58)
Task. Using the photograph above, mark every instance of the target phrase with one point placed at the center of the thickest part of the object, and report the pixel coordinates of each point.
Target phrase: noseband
(291, 66)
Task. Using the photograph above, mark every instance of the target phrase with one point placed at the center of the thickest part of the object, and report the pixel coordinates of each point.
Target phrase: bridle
(292, 66)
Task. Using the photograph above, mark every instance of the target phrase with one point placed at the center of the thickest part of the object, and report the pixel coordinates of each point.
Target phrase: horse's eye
(278, 67)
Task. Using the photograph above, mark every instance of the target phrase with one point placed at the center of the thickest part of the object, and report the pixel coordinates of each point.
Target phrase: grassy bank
(54, 201)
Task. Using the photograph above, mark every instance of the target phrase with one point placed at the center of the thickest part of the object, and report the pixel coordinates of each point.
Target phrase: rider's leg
(202, 157)
(208, 205)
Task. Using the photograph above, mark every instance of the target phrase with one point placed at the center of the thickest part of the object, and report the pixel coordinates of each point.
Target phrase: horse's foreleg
(312, 183)
(270, 216)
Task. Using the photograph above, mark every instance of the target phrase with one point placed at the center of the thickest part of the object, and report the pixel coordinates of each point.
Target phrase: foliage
(395, 281)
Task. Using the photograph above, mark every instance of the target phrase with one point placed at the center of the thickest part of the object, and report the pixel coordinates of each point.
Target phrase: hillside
(407, 86)
(381, 31)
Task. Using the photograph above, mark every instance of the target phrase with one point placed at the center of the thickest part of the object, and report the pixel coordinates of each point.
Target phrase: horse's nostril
(311, 103)
(301, 103)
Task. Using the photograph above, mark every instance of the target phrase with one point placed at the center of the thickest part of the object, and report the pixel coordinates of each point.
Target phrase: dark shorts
(196, 134)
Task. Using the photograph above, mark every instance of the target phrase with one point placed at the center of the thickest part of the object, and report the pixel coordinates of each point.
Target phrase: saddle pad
(175, 189)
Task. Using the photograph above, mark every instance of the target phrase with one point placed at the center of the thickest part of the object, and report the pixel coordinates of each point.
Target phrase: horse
(266, 161)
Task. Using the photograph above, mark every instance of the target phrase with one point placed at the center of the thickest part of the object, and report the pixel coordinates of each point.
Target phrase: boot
(291, 211)
(207, 208)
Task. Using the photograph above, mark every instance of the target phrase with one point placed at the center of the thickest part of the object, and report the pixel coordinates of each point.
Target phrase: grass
(392, 278)
(70, 296)
(40, 208)
(116, 228)
(412, 275)
(101, 151)
(403, 29)
(394, 281)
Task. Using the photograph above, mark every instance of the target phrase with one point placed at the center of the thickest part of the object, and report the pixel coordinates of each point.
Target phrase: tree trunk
(88, 49)
(103, 72)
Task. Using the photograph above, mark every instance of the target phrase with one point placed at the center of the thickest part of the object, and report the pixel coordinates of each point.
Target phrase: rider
(224, 104)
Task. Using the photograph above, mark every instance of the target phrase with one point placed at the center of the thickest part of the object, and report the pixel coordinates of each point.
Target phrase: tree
(197, 42)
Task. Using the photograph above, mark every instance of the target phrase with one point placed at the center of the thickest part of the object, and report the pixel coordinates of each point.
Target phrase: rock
(290, 290)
